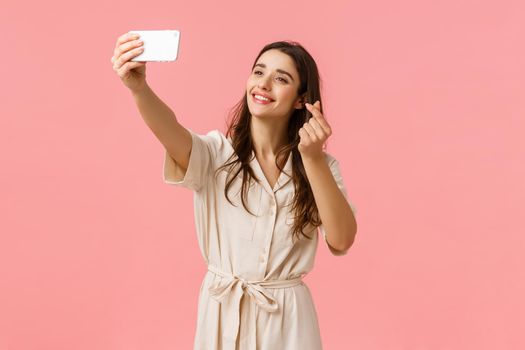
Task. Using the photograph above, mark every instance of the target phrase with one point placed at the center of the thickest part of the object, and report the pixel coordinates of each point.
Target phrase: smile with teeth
(261, 99)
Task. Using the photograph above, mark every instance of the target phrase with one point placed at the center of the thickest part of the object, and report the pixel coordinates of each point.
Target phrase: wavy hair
(303, 203)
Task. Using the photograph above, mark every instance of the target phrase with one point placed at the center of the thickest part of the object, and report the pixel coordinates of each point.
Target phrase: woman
(260, 192)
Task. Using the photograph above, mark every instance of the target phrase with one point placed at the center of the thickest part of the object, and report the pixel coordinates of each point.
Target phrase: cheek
(249, 83)
(287, 94)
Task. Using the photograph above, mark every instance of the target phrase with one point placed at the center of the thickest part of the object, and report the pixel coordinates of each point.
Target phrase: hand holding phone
(159, 45)
(132, 74)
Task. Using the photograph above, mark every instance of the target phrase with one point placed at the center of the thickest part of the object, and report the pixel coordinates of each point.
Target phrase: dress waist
(229, 291)
(276, 283)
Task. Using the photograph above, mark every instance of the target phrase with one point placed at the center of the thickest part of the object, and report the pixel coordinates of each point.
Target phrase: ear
(299, 103)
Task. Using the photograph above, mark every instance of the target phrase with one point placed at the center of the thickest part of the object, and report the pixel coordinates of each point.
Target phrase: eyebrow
(278, 70)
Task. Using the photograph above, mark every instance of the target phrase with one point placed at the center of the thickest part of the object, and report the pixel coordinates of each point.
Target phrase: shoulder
(214, 139)
(217, 144)
(216, 134)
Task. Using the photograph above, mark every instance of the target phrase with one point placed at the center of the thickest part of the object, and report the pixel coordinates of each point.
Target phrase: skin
(269, 122)
(268, 127)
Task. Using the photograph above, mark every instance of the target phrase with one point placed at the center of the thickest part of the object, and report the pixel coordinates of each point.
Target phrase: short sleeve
(204, 149)
(336, 172)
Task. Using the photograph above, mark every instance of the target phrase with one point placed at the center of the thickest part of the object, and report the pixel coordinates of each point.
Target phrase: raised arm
(157, 115)
(162, 121)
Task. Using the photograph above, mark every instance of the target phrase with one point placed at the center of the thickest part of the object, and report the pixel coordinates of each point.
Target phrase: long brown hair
(303, 204)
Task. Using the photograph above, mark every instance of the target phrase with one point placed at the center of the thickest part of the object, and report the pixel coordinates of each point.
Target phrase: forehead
(275, 59)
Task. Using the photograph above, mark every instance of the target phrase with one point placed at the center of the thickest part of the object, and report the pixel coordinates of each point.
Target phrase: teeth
(259, 97)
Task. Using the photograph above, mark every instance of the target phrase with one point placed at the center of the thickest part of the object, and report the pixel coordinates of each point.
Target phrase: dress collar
(281, 180)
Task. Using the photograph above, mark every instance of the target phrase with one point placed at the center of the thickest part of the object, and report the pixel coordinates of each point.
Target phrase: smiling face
(274, 76)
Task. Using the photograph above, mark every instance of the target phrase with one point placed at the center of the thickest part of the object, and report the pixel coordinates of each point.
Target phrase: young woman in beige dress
(261, 191)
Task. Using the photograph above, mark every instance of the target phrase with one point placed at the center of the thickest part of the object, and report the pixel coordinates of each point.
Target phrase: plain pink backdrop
(426, 100)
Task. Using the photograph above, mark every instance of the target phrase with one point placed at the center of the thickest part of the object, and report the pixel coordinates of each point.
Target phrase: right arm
(175, 138)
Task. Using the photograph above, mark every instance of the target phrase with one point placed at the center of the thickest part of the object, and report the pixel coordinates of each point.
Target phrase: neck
(268, 136)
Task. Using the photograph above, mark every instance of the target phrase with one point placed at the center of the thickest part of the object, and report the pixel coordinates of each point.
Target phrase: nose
(263, 82)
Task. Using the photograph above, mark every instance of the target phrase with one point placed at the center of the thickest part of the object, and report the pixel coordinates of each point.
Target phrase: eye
(282, 79)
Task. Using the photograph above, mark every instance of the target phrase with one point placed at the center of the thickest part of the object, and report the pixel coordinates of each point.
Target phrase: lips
(263, 95)
(261, 102)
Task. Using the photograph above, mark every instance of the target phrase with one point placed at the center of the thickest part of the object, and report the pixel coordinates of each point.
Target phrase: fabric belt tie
(230, 289)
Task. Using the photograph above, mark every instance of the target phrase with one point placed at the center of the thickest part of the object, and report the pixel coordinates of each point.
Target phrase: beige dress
(252, 296)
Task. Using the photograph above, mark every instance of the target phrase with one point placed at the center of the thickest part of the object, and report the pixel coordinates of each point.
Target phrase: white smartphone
(159, 45)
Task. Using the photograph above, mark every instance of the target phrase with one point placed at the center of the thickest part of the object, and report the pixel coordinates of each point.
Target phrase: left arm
(335, 211)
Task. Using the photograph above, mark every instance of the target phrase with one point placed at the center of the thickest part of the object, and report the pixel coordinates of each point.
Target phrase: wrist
(312, 158)
(139, 89)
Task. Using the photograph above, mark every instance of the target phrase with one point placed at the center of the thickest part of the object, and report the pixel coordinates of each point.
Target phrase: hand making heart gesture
(314, 133)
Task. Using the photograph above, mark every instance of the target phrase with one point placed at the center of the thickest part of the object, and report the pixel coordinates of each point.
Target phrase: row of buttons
(272, 212)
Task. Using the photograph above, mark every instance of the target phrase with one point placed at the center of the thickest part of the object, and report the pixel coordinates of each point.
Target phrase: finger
(311, 132)
(320, 118)
(129, 66)
(120, 61)
(305, 137)
(314, 110)
(121, 40)
(119, 50)
(316, 105)
(316, 126)
(323, 124)
(126, 37)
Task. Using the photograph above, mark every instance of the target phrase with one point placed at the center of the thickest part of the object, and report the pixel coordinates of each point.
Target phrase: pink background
(427, 102)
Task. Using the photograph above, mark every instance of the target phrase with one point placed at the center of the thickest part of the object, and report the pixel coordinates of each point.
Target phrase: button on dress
(252, 297)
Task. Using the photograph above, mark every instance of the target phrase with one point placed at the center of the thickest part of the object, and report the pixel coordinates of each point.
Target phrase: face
(274, 76)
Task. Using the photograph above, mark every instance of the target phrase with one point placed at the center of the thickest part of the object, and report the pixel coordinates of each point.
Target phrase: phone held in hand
(159, 45)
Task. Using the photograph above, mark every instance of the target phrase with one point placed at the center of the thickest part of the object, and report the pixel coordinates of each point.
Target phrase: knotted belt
(230, 289)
